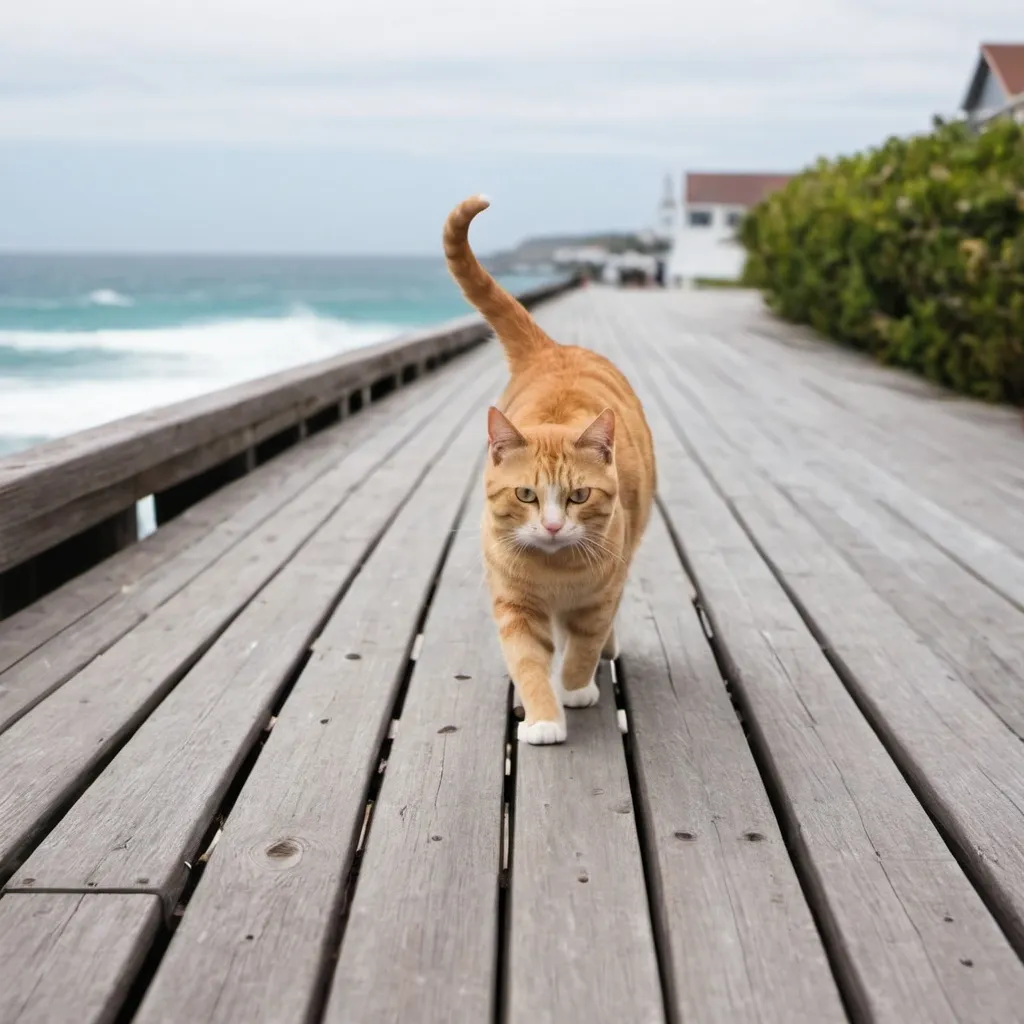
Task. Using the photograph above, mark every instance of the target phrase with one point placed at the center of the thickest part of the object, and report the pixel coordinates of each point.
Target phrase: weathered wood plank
(909, 935)
(51, 751)
(738, 940)
(141, 821)
(897, 410)
(422, 937)
(252, 943)
(581, 945)
(126, 604)
(67, 957)
(976, 630)
(978, 633)
(966, 765)
(982, 530)
(908, 423)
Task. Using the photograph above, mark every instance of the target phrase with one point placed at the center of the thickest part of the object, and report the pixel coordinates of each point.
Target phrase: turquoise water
(88, 339)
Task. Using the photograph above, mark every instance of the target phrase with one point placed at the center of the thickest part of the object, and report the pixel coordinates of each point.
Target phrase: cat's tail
(518, 332)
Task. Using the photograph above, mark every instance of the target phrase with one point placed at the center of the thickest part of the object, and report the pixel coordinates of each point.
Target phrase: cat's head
(551, 488)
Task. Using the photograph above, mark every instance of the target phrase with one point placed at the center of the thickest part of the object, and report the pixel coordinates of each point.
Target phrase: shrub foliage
(913, 251)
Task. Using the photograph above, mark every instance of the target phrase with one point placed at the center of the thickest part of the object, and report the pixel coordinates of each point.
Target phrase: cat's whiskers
(601, 545)
(513, 546)
(585, 549)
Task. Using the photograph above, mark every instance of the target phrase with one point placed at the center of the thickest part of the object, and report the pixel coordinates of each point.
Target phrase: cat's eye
(526, 494)
(580, 495)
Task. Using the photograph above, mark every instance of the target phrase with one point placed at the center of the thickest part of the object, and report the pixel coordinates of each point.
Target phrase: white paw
(542, 733)
(585, 697)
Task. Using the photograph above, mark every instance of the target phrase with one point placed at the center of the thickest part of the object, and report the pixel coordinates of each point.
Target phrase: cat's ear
(501, 435)
(599, 437)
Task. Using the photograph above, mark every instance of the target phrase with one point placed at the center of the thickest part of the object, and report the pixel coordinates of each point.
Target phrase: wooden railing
(69, 503)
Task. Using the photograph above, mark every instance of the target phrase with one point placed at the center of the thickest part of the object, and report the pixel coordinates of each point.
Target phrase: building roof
(1003, 60)
(732, 189)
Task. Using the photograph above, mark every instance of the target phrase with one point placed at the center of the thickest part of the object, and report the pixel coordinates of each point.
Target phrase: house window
(699, 218)
(733, 218)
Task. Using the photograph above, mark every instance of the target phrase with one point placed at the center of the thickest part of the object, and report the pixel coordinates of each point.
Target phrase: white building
(997, 82)
(705, 245)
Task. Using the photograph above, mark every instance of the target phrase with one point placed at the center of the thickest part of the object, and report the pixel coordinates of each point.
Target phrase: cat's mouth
(551, 545)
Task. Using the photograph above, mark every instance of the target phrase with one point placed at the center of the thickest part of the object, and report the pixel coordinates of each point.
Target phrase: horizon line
(220, 253)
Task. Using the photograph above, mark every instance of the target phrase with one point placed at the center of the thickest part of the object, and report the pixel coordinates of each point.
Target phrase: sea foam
(108, 297)
(162, 366)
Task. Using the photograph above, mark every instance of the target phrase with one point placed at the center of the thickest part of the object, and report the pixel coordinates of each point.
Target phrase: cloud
(301, 31)
(554, 76)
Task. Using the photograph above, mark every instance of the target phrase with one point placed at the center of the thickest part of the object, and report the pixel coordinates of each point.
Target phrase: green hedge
(913, 251)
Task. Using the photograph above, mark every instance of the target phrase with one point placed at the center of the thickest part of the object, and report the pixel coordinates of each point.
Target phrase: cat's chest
(568, 591)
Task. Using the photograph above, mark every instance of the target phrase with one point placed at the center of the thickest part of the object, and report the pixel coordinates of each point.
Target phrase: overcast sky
(326, 125)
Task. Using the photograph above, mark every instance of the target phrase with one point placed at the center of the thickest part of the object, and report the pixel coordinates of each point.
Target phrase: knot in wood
(283, 849)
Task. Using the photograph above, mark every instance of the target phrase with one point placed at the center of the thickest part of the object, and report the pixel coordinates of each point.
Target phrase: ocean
(89, 339)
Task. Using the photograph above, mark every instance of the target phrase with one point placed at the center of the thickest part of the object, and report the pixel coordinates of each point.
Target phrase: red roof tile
(1007, 63)
(732, 189)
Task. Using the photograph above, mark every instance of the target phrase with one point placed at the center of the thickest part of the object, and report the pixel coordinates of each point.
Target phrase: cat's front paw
(585, 697)
(542, 733)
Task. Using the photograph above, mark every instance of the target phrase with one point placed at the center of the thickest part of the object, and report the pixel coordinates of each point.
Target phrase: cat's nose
(552, 528)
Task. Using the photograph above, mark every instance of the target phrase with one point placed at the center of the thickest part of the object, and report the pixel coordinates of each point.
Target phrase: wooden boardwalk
(262, 766)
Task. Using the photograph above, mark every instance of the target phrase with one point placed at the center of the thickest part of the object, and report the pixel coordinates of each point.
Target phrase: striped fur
(519, 333)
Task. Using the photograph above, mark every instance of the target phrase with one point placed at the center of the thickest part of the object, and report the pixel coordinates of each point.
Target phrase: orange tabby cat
(569, 484)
